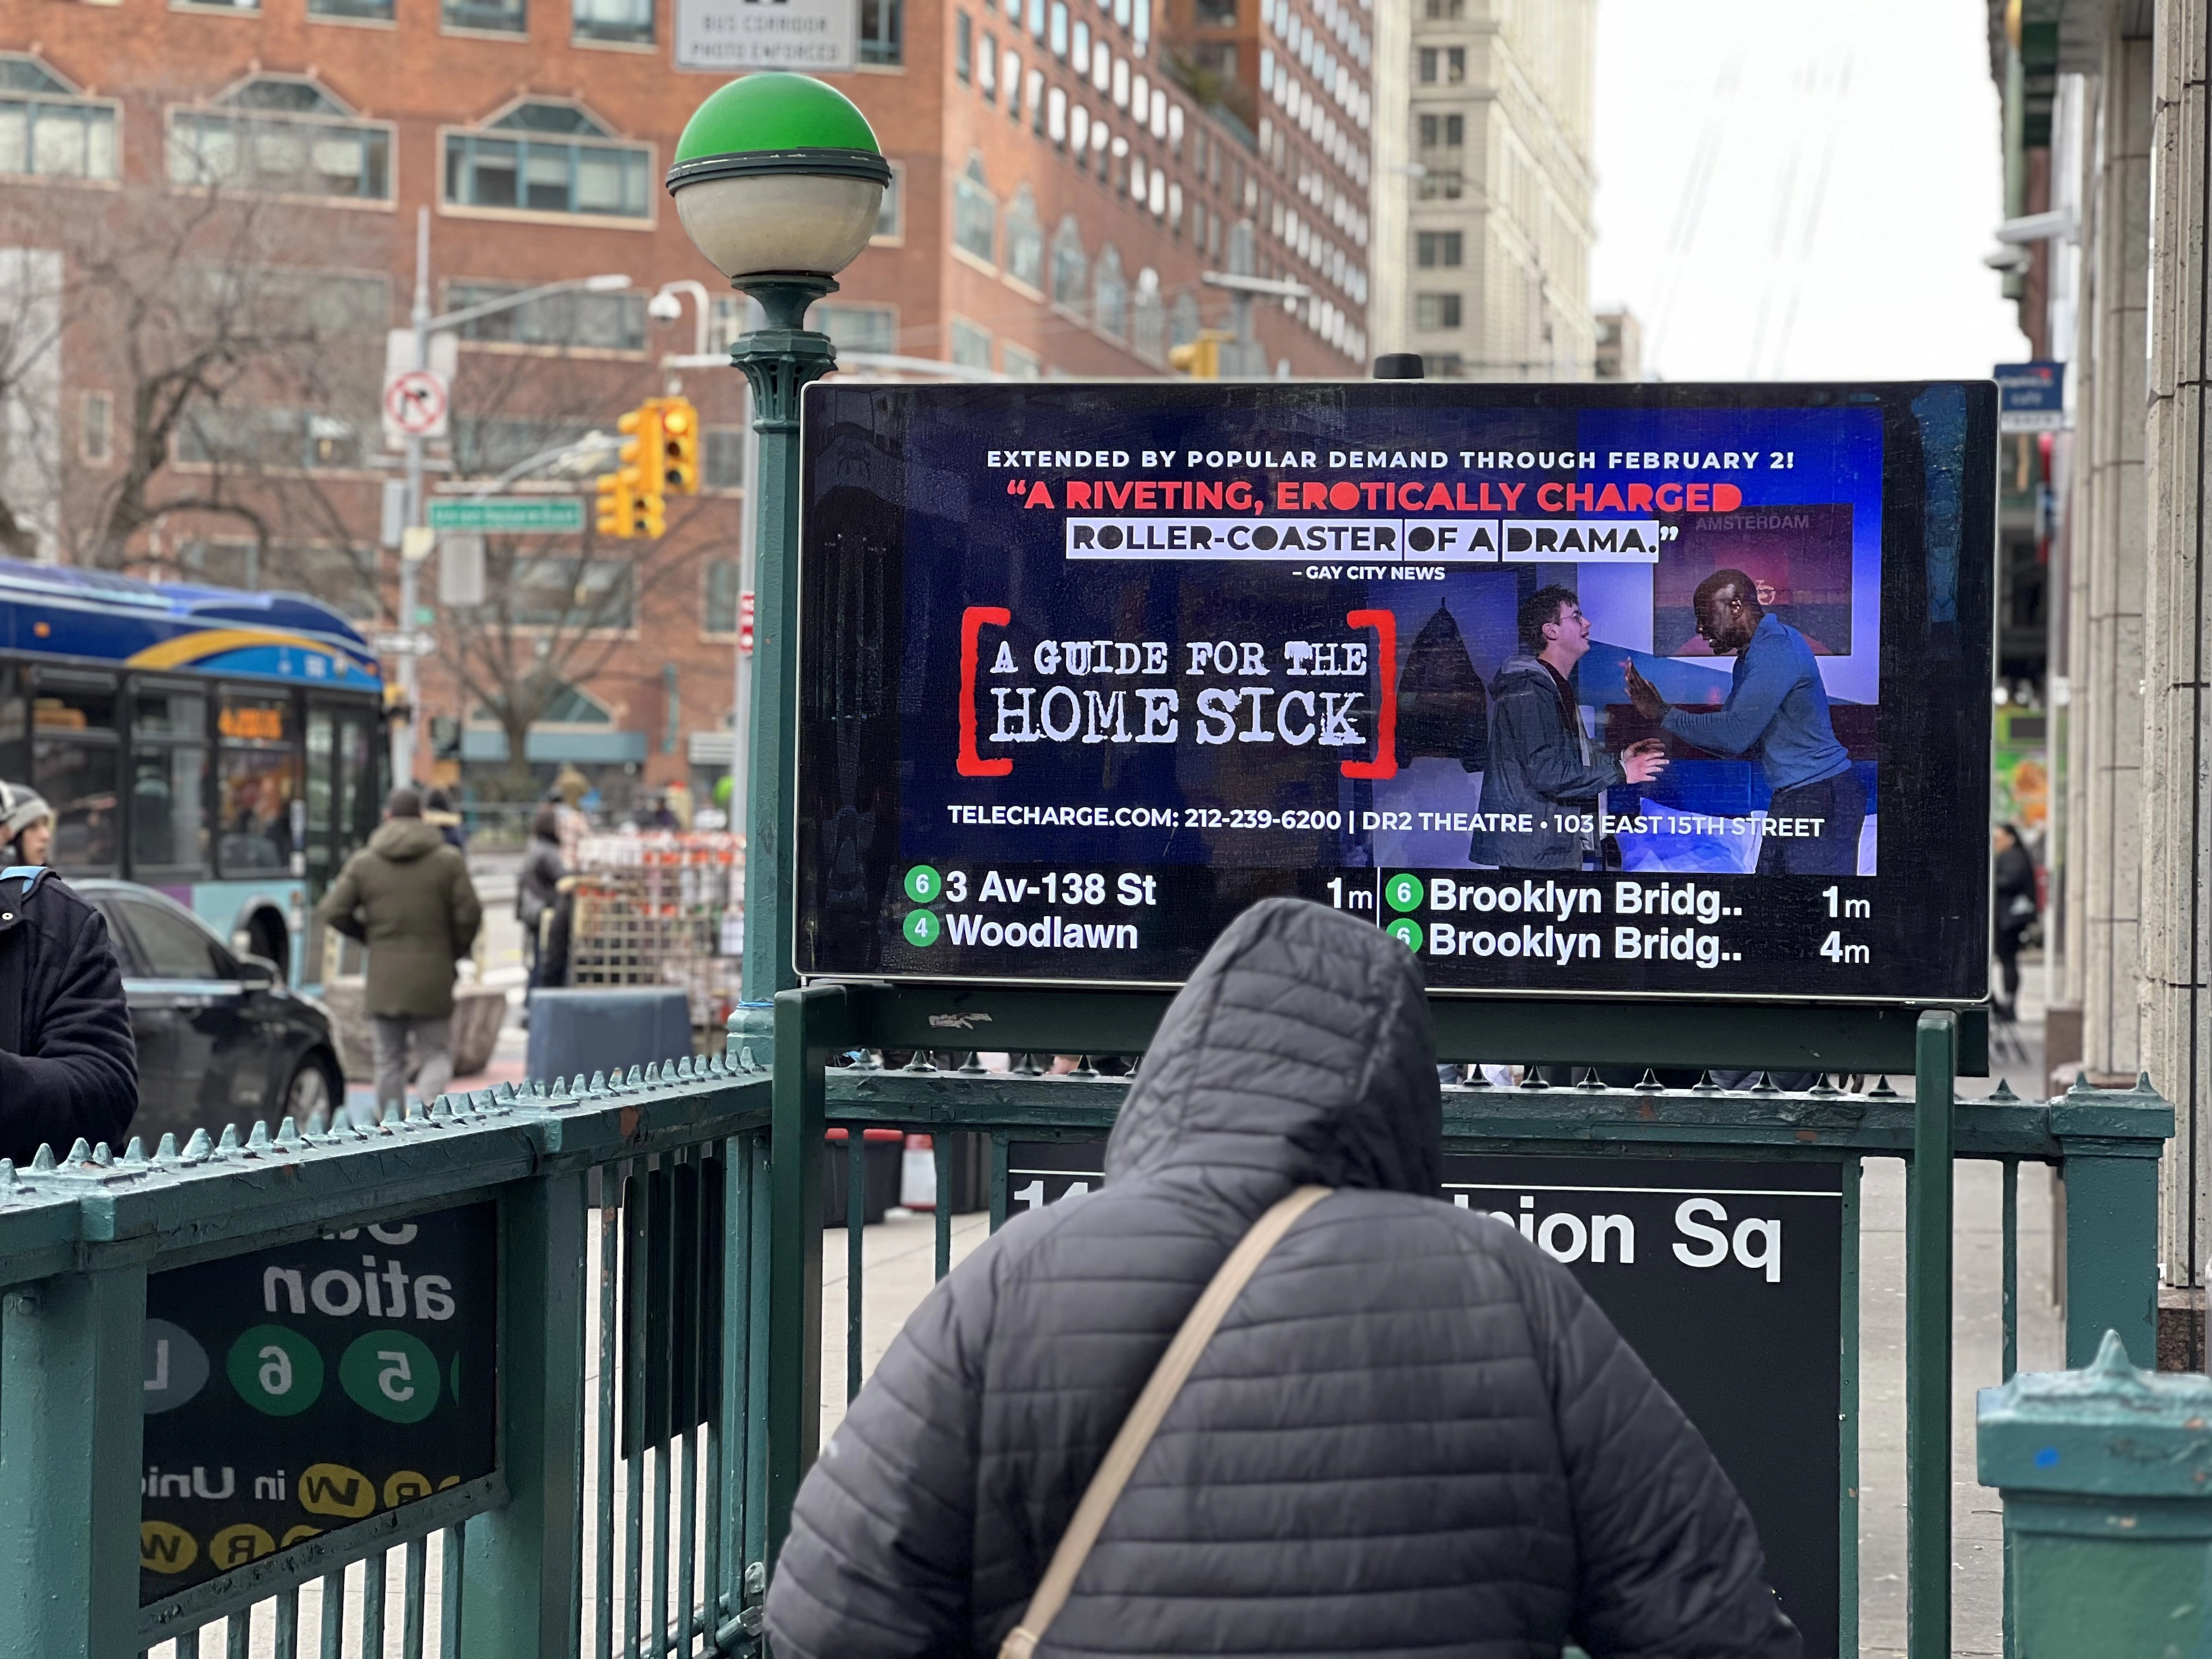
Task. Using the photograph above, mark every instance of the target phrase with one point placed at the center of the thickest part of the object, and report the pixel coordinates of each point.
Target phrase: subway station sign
(1631, 689)
(1727, 1279)
(296, 1390)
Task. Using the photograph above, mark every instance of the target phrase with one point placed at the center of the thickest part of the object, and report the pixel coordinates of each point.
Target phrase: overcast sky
(1801, 189)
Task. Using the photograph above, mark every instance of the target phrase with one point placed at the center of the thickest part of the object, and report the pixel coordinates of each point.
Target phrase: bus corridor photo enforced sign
(1637, 690)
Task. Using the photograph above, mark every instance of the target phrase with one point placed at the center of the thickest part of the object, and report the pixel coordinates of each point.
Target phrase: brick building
(229, 195)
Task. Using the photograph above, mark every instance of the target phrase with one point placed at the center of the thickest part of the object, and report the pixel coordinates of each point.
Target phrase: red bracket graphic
(971, 764)
(1385, 763)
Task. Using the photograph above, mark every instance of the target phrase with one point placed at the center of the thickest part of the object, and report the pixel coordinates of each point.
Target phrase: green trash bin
(2106, 1476)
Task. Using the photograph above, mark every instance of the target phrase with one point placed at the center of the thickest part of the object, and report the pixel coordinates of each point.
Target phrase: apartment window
(1011, 72)
(601, 322)
(486, 444)
(1079, 51)
(1071, 269)
(1020, 365)
(859, 328)
(1436, 311)
(1036, 18)
(96, 443)
(1445, 64)
(1057, 34)
(1025, 241)
(722, 457)
(284, 135)
(552, 592)
(1446, 10)
(881, 32)
(1444, 131)
(971, 346)
(628, 22)
(488, 16)
(963, 48)
(1442, 187)
(986, 68)
(275, 439)
(1149, 324)
(48, 131)
(559, 158)
(891, 215)
(1432, 248)
(974, 213)
(724, 578)
(1215, 57)
(373, 11)
(1109, 301)
(1217, 14)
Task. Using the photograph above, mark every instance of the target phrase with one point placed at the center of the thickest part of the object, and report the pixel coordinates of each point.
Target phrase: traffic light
(1201, 358)
(645, 448)
(614, 501)
(679, 432)
(631, 501)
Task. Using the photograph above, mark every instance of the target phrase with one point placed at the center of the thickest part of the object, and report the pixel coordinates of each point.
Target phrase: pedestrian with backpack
(1265, 1394)
(68, 1061)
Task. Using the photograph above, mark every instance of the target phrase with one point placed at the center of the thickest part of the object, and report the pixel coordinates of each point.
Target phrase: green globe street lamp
(778, 180)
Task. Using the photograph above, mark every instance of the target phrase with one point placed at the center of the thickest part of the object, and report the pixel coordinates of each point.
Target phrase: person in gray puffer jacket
(1412, 1431)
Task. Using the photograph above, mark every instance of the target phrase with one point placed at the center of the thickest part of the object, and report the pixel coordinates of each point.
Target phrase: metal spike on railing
(258, 1140)
(1532, 1077)
(1704, 1084)
(598, 1084)
(44, 1160)
(79, 1152)
(1765, 1085)
(1591, 1082)
(319, 1123)
(1650, 1081)
(970, 1066)
(9, 1179)
(1475, 1079)
(134, 1153)
(416, 1111)
(1084, 1069)
(1025, 1065)
(199, 1148)
(102, 1155)
(2004, 1093)
(288, 1134)
(504, 1093)
(2080, 1083)
(636, 1079)
(2142, 1084)
(229, 1144)
(166, 1150)
(1881, 1091)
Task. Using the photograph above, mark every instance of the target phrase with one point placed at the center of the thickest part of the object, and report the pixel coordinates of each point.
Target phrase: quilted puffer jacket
(1413, 1433)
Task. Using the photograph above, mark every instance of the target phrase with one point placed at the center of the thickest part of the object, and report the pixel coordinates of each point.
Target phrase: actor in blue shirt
(1776, 710)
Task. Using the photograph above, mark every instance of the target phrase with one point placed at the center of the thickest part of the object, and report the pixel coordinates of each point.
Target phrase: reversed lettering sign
(296, 1389)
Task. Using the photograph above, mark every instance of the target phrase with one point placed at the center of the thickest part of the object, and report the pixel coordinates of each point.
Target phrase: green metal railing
(628, 1502)
(661, 1242)
(2105, 1143)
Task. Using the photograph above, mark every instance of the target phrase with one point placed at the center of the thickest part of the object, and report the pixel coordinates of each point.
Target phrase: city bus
(226, 748)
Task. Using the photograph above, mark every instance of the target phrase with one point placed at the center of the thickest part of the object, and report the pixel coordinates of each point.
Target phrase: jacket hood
(402, 839)
(1301, 1051)
(1516, 668)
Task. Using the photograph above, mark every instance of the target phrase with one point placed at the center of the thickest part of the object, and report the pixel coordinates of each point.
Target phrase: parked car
(222, 1038)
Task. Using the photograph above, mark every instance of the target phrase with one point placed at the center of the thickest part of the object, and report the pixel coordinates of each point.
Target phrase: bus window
(73, 764)
(168, 783)
(256, 778)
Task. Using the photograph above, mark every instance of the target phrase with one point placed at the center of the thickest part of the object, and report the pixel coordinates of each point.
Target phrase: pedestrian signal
(679, 432)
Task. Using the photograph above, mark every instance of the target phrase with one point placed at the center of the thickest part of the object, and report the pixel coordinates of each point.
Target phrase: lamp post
(778, 180)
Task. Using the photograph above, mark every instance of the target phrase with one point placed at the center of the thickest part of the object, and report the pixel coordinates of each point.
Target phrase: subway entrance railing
(658, 1244)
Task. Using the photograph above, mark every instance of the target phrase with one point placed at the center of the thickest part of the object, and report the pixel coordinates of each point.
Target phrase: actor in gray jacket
(1413, 1433)
(1542, 776)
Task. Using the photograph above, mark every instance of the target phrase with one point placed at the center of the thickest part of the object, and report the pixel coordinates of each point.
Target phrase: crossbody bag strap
(11, 992)
(1145, 1418)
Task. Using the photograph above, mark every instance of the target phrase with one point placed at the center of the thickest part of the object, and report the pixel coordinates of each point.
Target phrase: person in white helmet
(68, 1062)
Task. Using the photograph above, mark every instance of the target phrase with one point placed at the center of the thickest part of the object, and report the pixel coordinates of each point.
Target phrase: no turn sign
(415, 402)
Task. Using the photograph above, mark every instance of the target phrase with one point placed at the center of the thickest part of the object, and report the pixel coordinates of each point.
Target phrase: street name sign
(559, 515)
(813, 36)
(1232, 641)
(293, 1391)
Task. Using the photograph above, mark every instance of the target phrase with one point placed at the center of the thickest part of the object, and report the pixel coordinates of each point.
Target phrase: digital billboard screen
(1627, 690)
